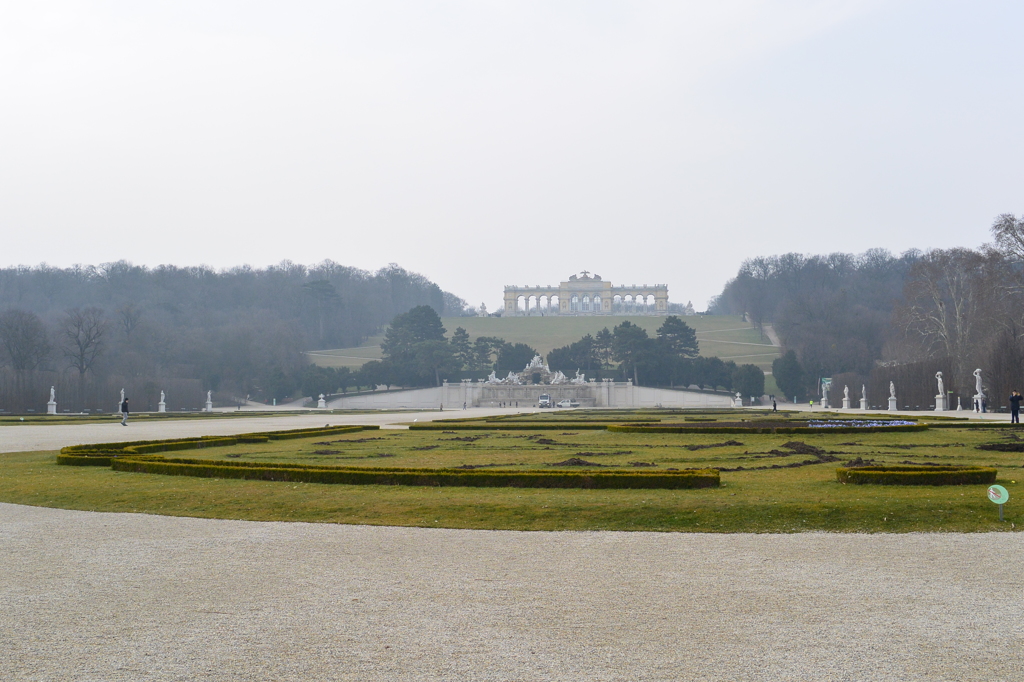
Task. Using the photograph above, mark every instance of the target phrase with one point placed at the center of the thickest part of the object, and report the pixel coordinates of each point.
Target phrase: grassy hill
(726, 336)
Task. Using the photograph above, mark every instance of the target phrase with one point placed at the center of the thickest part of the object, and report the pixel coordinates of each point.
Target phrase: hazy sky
(488, 143)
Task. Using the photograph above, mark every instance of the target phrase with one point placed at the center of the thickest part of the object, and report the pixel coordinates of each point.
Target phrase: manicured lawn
(750, 500)
(725, 336)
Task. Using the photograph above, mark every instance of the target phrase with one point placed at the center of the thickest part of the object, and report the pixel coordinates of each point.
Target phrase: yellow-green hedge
(917, 475)
(297, 473)
(658, 428)
(102, 454)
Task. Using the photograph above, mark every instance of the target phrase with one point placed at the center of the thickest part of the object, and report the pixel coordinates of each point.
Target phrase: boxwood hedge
(917, 475)
(102, 454)
(296, 473)
(658, 428)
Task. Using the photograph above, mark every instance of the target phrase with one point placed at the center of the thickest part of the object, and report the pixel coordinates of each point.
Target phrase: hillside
(726, 336)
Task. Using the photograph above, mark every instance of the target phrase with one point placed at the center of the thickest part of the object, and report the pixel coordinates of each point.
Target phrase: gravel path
(91, 596)
(33, 437)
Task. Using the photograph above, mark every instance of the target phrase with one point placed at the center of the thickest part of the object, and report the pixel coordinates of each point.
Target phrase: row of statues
(940, 398)
(536, 366)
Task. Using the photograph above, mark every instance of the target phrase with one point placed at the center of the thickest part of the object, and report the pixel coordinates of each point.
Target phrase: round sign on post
(998, 494)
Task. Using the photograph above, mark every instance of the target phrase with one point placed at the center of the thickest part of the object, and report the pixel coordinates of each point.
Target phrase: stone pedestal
(51, 407)
(824, 404)
(209, 406)
(940, 403)
(892, 405)
(864, 403)
(321, 403)
(737, 401)
(846, 403)
(959, 407)
(161, 406)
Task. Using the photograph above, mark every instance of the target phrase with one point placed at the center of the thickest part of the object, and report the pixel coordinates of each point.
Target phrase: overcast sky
(489, 143)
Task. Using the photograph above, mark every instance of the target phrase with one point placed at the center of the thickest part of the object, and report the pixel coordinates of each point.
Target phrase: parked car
(568, 403)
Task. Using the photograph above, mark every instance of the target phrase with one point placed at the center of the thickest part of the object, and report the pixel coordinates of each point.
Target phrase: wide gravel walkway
(90, 596)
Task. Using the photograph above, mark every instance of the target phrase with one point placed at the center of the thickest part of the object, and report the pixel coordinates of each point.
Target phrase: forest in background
(868, 319)
(89, 331)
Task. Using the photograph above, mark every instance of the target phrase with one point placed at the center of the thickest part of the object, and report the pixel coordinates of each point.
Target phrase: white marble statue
(209, 396)
(162, 396)
(536, 363)
(892, 390)
(512, 378)
(863, 392)
(492, 378)
(942, 388)
(557, 378)
(977, 383)
(579, 378)
(122, 400)
(824, 391)
(52, 394)
(846, 392)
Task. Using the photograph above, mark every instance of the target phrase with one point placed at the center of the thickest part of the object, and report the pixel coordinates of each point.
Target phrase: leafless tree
(951, 302)
(1008, 231)
(24, 338)
(129, 315)
(82, 337)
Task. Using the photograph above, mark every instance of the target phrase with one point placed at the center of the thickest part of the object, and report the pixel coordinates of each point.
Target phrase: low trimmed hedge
(520, 426)
(295, 473)
(622, 428)
(916, 475)
(102, 454)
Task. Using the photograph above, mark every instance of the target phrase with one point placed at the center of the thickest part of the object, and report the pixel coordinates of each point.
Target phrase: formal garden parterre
(723, 471)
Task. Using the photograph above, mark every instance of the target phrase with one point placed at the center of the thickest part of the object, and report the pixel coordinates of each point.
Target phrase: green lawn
(725, 336)
(751, 499)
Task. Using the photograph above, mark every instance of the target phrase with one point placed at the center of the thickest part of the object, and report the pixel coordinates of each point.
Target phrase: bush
(517, 426)
(917, 475)
(657, 428)
(102, 454)
(293, 473)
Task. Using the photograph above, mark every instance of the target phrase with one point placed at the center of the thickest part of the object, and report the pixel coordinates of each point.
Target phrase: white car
(568, 403)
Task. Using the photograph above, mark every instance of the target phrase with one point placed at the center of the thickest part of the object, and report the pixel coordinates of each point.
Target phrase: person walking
(775, 407)
(1015, 399)
(124, 412)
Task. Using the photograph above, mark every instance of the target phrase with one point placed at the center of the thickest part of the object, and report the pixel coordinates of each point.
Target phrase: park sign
(998, 494)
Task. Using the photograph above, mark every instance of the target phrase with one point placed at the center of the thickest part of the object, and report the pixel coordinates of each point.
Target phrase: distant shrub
(295, 473)
(916, 475)
(102, 454)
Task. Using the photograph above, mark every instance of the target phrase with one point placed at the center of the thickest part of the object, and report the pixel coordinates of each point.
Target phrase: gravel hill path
(91, 596)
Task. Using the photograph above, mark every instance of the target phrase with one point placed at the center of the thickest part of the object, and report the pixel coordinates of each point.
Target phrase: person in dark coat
(124, 412)
(1015, 399)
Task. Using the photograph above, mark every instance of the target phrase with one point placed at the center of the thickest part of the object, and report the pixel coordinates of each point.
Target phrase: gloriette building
(586, 294)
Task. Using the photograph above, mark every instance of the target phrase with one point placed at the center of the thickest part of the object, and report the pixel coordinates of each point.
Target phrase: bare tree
(82, 337)
(1009, 233)
(24, 337)
(129, 315)
(951, 302)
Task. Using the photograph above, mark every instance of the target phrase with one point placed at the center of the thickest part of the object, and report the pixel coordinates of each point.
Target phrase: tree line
(875, 318)
(417, 352)
(241, 332)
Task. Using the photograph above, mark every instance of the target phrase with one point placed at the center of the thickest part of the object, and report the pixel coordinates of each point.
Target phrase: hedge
(102, 454)
(622, 428)
(917, 475)
(702, 478)
(970, 425)
(521, 426)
